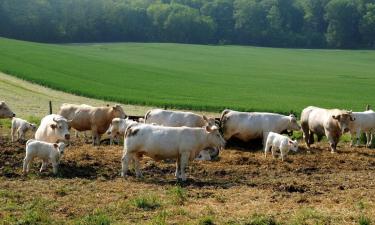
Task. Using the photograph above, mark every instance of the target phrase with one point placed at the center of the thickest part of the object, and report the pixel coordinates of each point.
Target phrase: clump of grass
(363, 220)
(178, 195)
(310, 216)
(96, 218)
(147, 202)
(207, 220)
(35, 213)
(160, 218)
(6, 123)
(257, 219)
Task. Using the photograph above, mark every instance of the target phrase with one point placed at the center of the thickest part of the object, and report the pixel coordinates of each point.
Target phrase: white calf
(20, 127)
(277, 141)
(48, 152)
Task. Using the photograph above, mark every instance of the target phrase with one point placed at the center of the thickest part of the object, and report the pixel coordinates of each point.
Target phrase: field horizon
(198, 77)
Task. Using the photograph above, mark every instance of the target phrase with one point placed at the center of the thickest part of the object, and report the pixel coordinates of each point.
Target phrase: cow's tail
(148, 113)
(223, 119)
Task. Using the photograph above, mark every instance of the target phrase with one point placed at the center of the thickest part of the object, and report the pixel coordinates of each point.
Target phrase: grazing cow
(96, 119)
(158, 142)
(171, 118)
(364, 122)
(70, 111)
(329, 122)
(48, 152)
(247, 126)
(20, 127)
(5, 112)
(117, 128)
(53, 128)
(277, 141)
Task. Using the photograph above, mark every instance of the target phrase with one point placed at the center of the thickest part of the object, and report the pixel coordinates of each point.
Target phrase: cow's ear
(208, 129)
(55, 145)
(205, 118)
(53, 126)
(290, 142)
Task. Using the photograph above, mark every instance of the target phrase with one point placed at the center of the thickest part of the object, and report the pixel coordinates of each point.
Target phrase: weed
(178, 195)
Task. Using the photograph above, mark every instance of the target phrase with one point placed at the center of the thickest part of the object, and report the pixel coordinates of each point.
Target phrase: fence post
(50, 107)
(367, 107)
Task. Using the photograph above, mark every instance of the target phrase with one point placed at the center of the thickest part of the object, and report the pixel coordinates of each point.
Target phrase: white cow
(171, 118)
(117, 128)
(159, 142)
(364, 122)
(48, 152)
(20, 127)
(5, 111)
(277, 141)
(53, 128)
(330, 122)
(246, 126)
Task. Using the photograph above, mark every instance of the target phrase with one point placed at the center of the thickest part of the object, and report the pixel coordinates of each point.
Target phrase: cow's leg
(332, 141)
(273, 150)
(76, 134)
(12, 133)
(44, 165)
(311, 138)
(178, 167)
(368, 139)
(352, 137)
(282, 153)
(55, 166)
(183, 164)
(306, 134)
(137, 166)
(125, 163)
(358, 136)
(26, 164)
(266, 149)
(95, 134)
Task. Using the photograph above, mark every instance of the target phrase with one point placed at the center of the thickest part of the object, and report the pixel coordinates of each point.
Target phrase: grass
(147, 202)
(198, 77)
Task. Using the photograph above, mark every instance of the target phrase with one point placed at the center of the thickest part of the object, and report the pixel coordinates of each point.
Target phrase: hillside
(198, 77)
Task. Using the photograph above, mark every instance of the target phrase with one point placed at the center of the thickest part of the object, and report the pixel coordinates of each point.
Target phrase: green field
(198, 77)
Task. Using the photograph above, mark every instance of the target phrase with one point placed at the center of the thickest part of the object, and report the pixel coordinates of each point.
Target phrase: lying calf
(158, 142)
(48, 152)
(20, 127)
(117, 128)
(278, 141)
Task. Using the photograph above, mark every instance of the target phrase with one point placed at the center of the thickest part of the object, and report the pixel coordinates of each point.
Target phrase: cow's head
(209, 121)
(32, 126)
(60, 126)
(214, 137)
(293, 145)
(343, 119)
(293, 124)
(60, 147)
(118, 111)
(5, 112)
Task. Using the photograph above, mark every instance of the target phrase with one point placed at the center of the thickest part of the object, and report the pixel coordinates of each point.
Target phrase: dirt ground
(240, 187)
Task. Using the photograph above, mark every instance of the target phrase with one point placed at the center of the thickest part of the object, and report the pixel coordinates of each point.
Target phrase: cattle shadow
(237, 144)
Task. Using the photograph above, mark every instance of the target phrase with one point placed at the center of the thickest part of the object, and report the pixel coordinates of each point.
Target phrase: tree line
(277, 23)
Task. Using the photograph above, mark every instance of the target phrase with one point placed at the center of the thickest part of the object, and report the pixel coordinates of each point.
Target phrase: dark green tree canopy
(278, 23)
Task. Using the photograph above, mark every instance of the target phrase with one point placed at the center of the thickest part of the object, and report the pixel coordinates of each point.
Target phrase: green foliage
(36, 213)
(178, 195)
(207, 220)
(310, 216)
(261, 220)
(292, 23)
(96, 218)
(146, 202)
(363, 220)
(209, 78)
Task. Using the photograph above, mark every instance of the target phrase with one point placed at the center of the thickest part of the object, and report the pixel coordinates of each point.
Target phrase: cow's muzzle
(67, 136)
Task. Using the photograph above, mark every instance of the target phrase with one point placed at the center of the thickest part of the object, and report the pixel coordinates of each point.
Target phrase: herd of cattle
(184, 136)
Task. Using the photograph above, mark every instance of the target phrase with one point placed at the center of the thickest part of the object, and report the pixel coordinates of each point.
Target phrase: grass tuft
(147, 202)
(257, 219)
(178, 195)
(363, 220)
(97, 218)
(207, 220)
